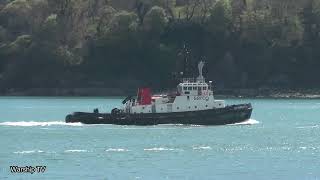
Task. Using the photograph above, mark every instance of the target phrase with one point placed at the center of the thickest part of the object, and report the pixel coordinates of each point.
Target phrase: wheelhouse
(194, 88)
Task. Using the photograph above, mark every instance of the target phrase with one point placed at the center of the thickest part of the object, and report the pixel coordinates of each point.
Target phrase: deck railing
(192, 80)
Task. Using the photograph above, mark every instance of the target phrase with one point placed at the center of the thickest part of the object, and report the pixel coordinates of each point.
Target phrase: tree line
(129, 43)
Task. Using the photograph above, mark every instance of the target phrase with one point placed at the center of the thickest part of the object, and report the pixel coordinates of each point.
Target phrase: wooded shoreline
(70, 43)
(219, 93)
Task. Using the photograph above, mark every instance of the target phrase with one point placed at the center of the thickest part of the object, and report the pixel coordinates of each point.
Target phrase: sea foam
(308, 127)
(247, 122)
(116, 150)
(28, 152)
(75, 150)
(160, 149)
(202, 148)
(34, 123)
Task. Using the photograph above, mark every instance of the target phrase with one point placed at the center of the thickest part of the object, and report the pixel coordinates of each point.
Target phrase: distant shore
(220, 93)
(269, 93)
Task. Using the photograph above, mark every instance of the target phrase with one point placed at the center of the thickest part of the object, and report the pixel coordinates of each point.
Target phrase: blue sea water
(281, 141)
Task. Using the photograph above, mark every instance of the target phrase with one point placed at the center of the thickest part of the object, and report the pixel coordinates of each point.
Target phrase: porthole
(196, 107)
(142, 107)
(177, 107)
(206, 105)
(189, 107)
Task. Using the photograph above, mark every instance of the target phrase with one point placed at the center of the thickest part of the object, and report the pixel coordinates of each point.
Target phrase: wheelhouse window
(185, 88)
(189, 88)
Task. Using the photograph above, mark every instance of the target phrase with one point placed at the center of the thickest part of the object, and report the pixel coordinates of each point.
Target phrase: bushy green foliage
(248, 43)
(220, 19)
(155, 20)
(2, 34)
(124, 22)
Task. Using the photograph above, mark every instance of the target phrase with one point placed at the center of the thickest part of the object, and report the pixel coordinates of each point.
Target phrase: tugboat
(193, 103)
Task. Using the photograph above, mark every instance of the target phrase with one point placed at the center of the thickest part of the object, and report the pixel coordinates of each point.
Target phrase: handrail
(192, 80)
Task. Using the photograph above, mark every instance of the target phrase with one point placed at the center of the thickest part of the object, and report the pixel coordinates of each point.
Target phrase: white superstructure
(192, 95)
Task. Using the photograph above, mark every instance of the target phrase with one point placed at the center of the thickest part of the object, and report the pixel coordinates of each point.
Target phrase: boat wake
(34, 123)
(247, 122)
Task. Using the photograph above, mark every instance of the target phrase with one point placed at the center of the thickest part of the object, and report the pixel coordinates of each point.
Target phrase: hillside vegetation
(129, 43)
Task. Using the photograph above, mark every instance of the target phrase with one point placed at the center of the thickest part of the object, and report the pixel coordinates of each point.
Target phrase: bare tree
(191, 7)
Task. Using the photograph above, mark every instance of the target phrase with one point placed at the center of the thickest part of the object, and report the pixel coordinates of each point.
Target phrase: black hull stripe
(222, 116)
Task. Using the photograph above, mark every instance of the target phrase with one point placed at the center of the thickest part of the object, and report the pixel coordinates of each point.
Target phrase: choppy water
(281, 141)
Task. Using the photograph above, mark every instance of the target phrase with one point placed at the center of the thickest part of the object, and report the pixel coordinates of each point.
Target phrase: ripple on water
(75, 151)
(201, 148)
(28, 152)
(161, 149)
(308, 127)
(117, 150)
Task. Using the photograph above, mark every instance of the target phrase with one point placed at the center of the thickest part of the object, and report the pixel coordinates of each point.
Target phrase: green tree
(155, 20)
(3, 34)
(220, 20)
(17, 13)
(124, 21)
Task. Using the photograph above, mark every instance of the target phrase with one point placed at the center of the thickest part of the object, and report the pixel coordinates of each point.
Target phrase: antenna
(186, 60)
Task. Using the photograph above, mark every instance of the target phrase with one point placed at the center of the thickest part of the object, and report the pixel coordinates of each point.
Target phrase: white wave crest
(247, 122)
(202, 148)
(160, 149)
(308, 127)
(117, 150)
(33, 123)
(75, 150)
(304, 148)
(28, 152)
